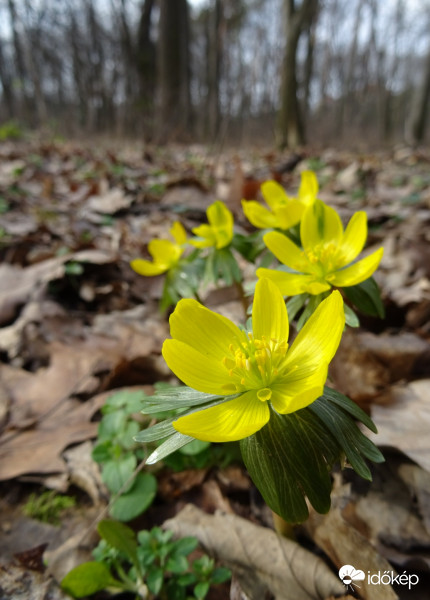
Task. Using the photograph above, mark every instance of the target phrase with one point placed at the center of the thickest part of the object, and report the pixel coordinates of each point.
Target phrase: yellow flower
(283, 211)
(327, 256)
(165, 253)
(219, 232)
(257, 369)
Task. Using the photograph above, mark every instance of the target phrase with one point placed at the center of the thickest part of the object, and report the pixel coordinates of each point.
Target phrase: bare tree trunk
(308, 68)
(174, 103)
(215, 49)
(290, 130)
(24, 109)
(6, 83)
(347, 91)
(31, 55)
(416, 127)
(145, 60)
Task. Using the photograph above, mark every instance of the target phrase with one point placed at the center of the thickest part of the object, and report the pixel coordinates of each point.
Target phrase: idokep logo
(349, 575)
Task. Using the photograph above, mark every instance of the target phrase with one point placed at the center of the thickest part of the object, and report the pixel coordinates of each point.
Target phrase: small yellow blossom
(259, 370)
(328, 254)
(284, 211)
(219, 232)
(165, 253)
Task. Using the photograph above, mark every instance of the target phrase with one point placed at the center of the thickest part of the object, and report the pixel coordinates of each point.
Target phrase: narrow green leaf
(294, 305)
(87, 579)
(366, 297)
(351, 407)
(157, 432)
(177, 397)
(173, 443)
(345, 431)
(351, 318)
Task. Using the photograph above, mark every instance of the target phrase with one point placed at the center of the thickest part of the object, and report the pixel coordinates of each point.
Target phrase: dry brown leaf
(367, 364)
(287, 569)
(38, 450)
(19, 582)
(109, 202)
(346, 546)
(405, 424)
(18, 285)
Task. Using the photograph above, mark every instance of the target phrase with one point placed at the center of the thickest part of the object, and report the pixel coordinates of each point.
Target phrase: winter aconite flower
(328, 253)
(165, 253)
(283, 212)
(253, 372)
(219, 233)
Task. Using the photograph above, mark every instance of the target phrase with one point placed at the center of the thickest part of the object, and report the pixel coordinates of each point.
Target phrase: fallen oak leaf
(38, 450)
(18, 285)
(287, 569)
(405, 423)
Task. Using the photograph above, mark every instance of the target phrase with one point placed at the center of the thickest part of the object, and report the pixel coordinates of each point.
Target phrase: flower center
(254, 364)
(323, 258)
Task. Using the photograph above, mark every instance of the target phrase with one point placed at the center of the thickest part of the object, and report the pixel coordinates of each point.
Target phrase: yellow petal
(320, 223)
(223, 238)
(289, 215)
(291, 284)
(164, 251)
(178, 232)
(354, 237)
(269, 314)
(206, 331)
(357, 272)
(292, 396)
(308, 189)
(219, 215)
(285, 250)
(318, 340)
(258, 215)
(148, 268)
(227, 422)
(201, 372)
(274, 194)
(207, 235)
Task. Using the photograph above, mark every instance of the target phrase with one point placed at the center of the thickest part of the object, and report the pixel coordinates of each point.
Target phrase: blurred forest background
(354, 72)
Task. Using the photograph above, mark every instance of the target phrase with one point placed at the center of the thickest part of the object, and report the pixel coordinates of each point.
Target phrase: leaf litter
(77, 322)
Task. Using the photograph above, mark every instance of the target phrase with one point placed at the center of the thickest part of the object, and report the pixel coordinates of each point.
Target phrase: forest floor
(78, 324)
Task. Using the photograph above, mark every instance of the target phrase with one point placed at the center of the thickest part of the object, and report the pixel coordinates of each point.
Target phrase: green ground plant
(48, 506)
(149, 564)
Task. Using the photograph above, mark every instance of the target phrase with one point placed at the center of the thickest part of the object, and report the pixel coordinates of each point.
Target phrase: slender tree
(298, 18)
(416, 125)
(174, 102)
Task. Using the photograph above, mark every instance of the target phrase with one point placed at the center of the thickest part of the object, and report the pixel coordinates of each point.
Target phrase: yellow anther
(229, 388)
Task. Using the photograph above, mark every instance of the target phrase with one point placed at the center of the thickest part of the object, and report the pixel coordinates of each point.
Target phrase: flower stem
(283, 527)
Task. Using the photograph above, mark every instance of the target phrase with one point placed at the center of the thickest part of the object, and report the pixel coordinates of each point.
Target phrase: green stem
(283, 528)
